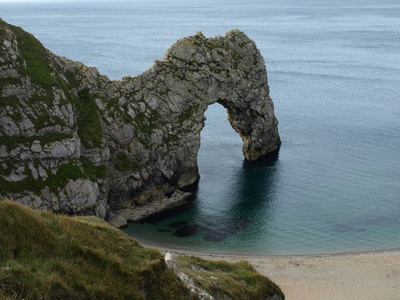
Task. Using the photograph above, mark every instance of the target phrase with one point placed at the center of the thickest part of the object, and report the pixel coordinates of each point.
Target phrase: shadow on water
(232, 193)
(251, 196)
(249, 201)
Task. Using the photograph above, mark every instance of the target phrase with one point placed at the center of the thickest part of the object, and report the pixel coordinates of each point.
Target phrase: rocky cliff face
(74, 142)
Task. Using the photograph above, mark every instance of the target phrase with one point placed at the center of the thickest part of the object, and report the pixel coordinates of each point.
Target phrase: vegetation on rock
(72, 170)
(124, 138)
(225, 280)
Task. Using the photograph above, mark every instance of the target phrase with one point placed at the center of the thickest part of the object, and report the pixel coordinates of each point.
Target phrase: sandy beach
(362, 275)
(365, 275)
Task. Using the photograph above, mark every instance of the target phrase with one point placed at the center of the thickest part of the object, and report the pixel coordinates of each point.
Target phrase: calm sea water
(334, 74)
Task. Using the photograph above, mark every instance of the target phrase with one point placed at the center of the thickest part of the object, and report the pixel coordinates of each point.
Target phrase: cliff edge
(47, 256)
(72, 141)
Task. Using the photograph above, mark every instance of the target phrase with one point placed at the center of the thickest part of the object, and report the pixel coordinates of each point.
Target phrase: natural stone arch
(235, 77)
(195, 73)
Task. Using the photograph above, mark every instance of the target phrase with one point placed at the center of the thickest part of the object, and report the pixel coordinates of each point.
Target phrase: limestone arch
(173, 96)
(226, 70)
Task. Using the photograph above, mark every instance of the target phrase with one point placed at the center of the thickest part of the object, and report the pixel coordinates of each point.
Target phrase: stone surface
(79, 143)
(172, 262)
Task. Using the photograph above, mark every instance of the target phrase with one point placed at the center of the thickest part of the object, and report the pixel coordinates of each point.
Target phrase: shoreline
(182, 251)
(373, 274)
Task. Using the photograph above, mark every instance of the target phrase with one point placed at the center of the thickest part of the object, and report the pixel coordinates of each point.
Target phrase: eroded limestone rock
(78, 143)
(172, 262)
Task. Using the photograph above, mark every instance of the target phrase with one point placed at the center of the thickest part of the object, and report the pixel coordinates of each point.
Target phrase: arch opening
(218, 138)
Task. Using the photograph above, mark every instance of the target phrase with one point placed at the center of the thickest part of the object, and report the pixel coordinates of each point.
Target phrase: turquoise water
(334, 74)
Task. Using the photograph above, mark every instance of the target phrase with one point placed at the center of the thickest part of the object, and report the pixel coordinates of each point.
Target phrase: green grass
(170, 139)
(6, 167)
(215, 45)
(14, 141)
(41, 72)
(35, 56)
(189, 112)
(90, 128)
(116, 110)
(123, 163)
(68, 171)
(92, 171)
(45, 256)
(236, 280)
(146, 123)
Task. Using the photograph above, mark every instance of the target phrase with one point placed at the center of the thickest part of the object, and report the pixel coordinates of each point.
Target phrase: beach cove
(334, 78)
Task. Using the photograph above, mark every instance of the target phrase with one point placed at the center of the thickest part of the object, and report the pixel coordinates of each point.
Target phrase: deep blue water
(334, 74)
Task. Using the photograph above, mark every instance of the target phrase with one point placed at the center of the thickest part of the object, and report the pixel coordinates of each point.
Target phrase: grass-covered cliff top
(47, 256)
(225, 280)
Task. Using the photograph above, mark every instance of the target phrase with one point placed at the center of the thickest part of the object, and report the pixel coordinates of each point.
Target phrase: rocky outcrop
(172, 263)
(205, 282)
(73, 141)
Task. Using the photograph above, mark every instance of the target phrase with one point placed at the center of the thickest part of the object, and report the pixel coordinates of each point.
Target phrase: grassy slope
(236, 280)
(47, 256)
(43, 255)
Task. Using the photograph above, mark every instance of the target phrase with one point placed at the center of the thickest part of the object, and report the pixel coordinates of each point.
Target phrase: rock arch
(75, 142)
(195, 73)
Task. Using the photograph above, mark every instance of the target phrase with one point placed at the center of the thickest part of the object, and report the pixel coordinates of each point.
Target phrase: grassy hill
(43, 255)
(47, 256)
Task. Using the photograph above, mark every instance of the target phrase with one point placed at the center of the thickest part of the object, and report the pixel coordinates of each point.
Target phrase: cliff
(72, 141)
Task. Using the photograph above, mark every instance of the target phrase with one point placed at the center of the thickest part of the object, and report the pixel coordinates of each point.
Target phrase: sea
(334, 75)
